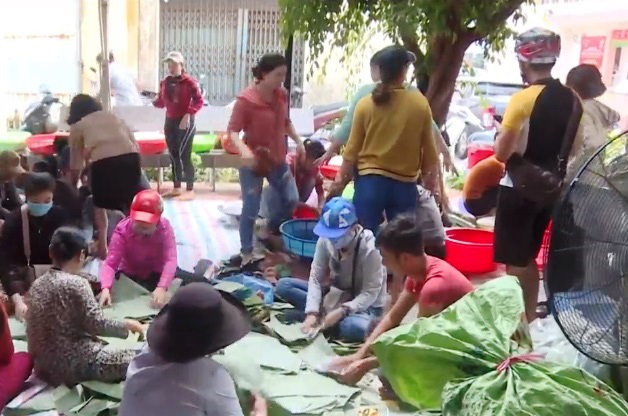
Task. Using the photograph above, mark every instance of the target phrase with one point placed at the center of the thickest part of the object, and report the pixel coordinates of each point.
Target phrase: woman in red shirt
(15, 368)
(262, 112)
(182, 97)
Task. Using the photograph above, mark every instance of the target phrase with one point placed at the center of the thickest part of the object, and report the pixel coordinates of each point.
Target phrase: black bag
(536, 183)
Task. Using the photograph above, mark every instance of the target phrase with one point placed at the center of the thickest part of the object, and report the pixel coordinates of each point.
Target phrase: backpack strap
(571, 131)
(26, 237)
(356, 252)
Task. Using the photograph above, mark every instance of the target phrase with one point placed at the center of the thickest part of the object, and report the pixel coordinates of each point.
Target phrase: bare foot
(186, 196)
(173, 193)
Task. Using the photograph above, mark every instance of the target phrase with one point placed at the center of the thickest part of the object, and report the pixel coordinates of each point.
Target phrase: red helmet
(147, 206)
(538, 46)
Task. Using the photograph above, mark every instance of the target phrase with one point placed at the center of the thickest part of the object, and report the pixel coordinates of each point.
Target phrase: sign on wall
(620, 38)
(592, 50)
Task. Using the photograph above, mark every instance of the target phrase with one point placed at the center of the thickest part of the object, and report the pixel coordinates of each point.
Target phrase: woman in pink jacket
(143, 247)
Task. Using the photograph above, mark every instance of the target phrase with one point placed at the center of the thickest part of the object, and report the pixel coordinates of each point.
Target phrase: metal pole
(105, 91)
(288, 83)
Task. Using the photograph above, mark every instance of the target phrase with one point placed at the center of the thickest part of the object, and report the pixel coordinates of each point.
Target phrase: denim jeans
(354, 328)
(282, 181)
(377, 194)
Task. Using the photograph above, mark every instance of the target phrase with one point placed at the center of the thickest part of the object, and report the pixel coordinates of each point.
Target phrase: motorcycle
(42, 116)
(460, 125)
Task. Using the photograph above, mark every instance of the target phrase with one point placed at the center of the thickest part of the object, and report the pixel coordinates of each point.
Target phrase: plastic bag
(256, 285)
(549, 341)
(474, 359)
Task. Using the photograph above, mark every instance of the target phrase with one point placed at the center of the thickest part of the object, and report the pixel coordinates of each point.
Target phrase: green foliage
(202, 173)
(431, 25)
(456, 182)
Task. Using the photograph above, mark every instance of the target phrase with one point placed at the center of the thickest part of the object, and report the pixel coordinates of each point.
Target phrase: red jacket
(180, 95)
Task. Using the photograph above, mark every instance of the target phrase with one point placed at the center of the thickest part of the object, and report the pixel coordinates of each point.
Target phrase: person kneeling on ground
(198, 321)
(481, 187)
(143, 248)
(15, 368)
(346, 251)
(20, 260)
(307, 178)
(64, 320)
(431, 283)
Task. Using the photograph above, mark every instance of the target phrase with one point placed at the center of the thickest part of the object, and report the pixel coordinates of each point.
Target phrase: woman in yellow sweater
(390, 146)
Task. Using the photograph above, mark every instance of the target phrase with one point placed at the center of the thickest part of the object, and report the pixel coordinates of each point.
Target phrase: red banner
(592, 50)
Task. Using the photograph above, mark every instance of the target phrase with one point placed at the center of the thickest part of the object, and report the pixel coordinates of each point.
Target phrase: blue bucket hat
(337, 219)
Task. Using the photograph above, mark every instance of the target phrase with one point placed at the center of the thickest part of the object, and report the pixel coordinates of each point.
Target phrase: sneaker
(173, 193)
(186, 196)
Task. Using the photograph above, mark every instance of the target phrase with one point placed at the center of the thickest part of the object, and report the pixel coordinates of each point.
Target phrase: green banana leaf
(449, 362)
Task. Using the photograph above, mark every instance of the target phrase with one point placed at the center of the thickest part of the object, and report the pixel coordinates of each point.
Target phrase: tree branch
(497, 18)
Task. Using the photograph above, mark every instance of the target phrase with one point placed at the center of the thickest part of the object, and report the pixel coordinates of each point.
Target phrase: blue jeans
(282, 181)
(376, 195)
(354, 328)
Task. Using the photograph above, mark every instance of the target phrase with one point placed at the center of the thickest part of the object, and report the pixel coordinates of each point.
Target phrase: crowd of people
(391, 232)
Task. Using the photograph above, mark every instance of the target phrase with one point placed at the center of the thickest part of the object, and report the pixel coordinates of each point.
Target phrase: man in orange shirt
(481, 187)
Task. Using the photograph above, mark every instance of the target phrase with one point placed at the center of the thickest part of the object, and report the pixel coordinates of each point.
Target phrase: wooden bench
(160, 162)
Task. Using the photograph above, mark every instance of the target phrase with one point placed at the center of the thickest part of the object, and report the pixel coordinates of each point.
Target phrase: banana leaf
(473, 359)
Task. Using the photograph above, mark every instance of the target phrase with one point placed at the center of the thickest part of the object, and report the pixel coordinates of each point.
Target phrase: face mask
(344, 241)
(38, 210)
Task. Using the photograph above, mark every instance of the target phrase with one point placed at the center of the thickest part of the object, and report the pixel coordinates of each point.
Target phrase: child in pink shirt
(143, 247)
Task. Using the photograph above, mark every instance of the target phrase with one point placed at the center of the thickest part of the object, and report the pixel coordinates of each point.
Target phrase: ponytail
(381, 94)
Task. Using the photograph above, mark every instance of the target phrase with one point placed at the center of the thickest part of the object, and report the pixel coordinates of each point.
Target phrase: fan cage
(587, 263)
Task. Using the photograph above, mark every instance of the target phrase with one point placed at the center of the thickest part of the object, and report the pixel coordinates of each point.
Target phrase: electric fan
(587, 266)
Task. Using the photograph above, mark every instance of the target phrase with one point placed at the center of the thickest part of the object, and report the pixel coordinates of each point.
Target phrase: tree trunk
(447, 60)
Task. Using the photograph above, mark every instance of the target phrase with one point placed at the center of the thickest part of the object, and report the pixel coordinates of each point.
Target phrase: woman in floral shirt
(64, 320)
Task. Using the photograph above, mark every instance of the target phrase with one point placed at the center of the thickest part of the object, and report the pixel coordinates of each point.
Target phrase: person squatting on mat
(23, 260)
(64, 320)
(431, 283)
(176, 362)
(356, 295)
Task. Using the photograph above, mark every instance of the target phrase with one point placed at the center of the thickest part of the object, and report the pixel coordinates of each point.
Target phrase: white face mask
(344, 241)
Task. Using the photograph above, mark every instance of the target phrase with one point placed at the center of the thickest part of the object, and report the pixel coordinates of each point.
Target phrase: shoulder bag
(536, 183)
(34, 270)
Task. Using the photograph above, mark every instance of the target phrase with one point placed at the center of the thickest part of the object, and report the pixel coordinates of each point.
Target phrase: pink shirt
(139, 256)
(264, 124)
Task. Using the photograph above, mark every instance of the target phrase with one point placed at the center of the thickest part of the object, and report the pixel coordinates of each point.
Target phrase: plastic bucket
(329, 172)
(299, 238)
(305, 212)
(470, 250)
(479, 152)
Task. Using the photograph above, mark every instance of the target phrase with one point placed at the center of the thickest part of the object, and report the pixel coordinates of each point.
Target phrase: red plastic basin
(329, 172)
(305, 212)
(479, 152)
(150, 143)
(542, 257)
(44, 144)
(470, 250)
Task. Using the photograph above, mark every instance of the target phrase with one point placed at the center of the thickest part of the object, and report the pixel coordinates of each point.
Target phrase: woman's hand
(310, 324)
(247, 156)
(354, 372)
(104, 299)
(20, 307)
(333, 317)
(134, 326)
(158, 300)
(185, 122)
(259, 407)
(449, 165)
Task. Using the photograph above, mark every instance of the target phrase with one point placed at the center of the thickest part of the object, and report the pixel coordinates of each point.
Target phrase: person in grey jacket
(355, 297)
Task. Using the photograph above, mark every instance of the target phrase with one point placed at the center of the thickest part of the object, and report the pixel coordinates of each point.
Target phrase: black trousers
(180, 148)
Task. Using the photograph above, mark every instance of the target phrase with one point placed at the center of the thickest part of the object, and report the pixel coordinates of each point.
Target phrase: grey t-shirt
(157, 388)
